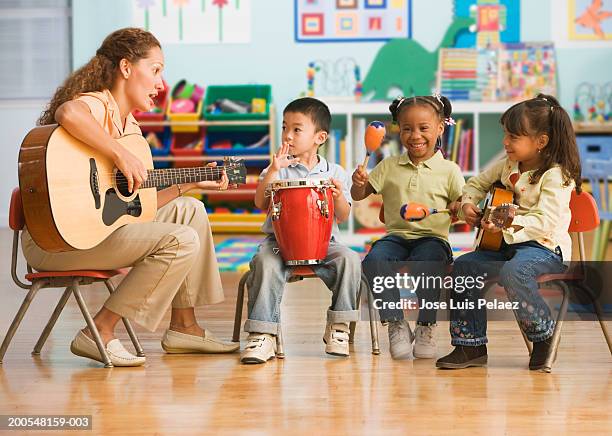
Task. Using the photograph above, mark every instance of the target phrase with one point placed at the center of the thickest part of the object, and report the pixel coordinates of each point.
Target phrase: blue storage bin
(236, 137)
(164, 138)
(597, 147)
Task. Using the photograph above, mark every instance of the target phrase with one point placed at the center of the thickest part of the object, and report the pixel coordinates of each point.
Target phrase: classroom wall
(274, 57)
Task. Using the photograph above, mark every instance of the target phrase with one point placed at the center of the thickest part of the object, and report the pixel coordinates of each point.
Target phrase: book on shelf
(457, 142)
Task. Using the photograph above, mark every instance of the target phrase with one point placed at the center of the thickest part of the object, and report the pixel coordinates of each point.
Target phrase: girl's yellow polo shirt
(435, 183)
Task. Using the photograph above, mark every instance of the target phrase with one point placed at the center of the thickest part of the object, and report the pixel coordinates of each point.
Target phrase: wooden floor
(308, 391)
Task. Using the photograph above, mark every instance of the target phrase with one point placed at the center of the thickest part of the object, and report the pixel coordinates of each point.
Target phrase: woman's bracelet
(180, 191)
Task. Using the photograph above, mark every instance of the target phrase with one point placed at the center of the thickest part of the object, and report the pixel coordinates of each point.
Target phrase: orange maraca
(374, 135)
(416, 211)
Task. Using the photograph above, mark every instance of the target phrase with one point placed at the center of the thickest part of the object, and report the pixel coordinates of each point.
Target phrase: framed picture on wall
(352, 20)
(581, 23)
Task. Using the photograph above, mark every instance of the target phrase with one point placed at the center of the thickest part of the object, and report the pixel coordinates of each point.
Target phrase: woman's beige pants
(173, 262)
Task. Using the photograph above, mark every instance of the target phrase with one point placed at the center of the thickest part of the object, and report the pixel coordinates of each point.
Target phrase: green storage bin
(240, 93)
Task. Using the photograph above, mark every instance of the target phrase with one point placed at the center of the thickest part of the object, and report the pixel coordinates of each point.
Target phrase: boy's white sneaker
(400, 340)
(336, 338)
(425, 346)
(260, 348)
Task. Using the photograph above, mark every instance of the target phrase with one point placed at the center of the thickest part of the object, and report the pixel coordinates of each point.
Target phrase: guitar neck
(173, 176)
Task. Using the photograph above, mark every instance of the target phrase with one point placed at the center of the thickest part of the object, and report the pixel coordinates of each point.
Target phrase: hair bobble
(449, 121)
(438, 97)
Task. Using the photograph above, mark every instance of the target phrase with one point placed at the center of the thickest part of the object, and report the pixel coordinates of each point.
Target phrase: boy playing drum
(306, 123)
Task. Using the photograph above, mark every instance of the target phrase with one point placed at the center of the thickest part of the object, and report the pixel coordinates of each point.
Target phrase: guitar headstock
(501, 215)
(235, 170)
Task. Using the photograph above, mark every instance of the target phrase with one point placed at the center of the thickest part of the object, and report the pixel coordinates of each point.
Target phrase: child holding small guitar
(542, 168)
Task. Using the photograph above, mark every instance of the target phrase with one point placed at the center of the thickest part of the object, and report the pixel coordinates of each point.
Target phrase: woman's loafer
(182, 343)
(84, 346)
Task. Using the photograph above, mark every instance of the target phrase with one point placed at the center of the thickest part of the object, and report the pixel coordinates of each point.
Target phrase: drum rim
(304, 262)
(299, 183)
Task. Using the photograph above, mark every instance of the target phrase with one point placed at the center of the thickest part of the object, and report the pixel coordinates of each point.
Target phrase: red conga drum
(302, 212)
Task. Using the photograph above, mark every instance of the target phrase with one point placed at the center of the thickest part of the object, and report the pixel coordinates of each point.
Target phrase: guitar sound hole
(122, 184)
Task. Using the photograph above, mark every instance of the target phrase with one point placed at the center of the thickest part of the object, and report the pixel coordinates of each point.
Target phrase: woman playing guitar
(172, 258)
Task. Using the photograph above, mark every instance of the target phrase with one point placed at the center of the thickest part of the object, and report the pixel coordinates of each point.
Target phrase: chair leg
(602, 323)
(51, 323)
(372, 313)
(90, 323)
(280, 349)
(19, 317)
(552, 353)
(353, 324)
(128, 325)
(239, 305)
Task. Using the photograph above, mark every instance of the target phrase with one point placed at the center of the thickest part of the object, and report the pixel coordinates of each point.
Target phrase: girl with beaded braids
(420, 175)
(542, 168)
(172, 259)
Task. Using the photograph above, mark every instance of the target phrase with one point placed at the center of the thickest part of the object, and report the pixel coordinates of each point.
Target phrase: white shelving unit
(354, 146)
(225, 222)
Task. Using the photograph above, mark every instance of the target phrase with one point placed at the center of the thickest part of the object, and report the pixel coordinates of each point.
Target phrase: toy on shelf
(593, 103)
(186, 96)
(185, 106)
(227, 106)
(336, 78)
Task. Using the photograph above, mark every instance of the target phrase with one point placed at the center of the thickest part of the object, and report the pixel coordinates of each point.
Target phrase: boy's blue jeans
(341, 273)
(522, 264)
(387, 253)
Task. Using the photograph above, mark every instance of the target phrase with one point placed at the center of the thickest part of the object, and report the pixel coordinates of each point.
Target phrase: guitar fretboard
(171, 176)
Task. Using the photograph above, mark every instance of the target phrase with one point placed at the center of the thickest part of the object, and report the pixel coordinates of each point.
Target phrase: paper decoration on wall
(496, 22)
(590, 19)
(405, 66)
(512, 72)
(527, 69)
(352, 20)
(195, 21)
(334, 78)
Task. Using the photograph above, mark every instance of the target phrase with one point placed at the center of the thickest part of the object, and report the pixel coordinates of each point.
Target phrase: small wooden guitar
(498, 209)
(74, 197)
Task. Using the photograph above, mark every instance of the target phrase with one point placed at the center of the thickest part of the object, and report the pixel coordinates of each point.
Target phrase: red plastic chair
(585, 218)
(300, 273)
(70, 280)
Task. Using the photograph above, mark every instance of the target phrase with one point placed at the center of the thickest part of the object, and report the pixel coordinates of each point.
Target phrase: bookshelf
(222, 222)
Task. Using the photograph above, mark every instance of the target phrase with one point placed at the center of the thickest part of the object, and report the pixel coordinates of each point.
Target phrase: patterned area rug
(234, 254)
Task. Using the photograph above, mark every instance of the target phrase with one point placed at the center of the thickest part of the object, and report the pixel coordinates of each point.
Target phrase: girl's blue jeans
(520, 264)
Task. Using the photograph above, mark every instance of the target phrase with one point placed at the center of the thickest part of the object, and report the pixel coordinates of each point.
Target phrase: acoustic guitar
(498, 208)
(74, 197)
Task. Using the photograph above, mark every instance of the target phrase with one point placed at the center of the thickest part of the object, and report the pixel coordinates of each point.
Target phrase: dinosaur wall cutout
(407, 65)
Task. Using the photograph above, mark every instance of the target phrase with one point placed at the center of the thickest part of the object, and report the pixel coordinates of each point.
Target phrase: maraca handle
(365, 160)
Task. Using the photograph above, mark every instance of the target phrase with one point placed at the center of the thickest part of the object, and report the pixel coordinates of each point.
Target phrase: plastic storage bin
(164, 139)
(245, 93)
(236, 137)
(179, 146)
(189, 117)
